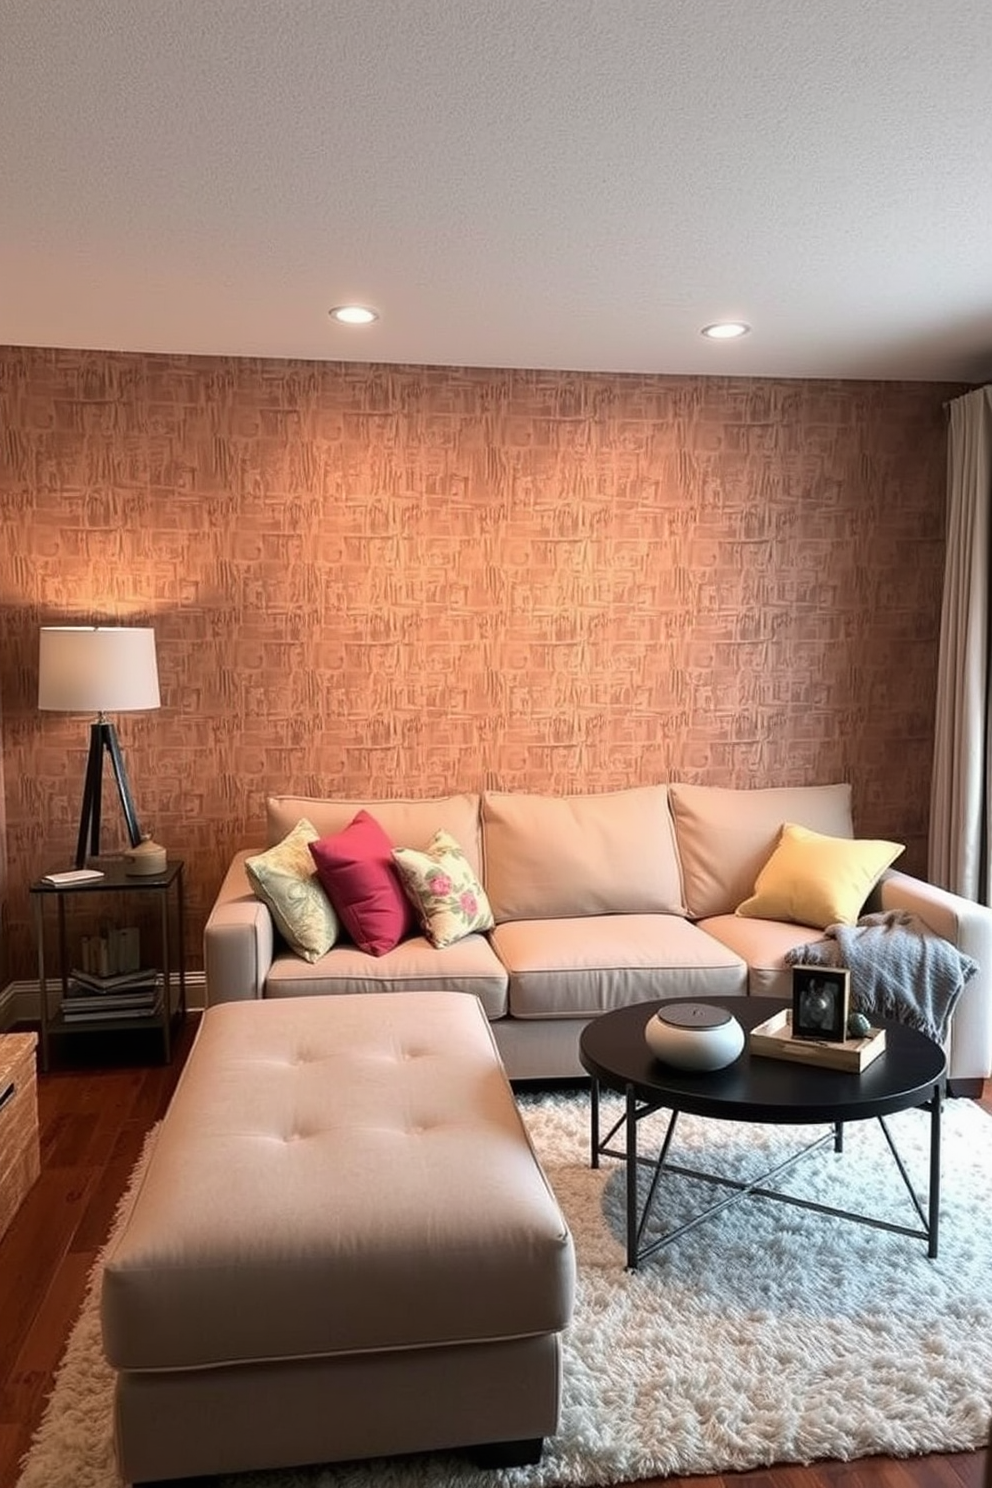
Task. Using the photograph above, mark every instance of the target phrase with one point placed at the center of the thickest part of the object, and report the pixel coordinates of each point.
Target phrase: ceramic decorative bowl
(694, 1036)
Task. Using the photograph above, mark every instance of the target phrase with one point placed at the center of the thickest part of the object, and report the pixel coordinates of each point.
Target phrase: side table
(169, 887)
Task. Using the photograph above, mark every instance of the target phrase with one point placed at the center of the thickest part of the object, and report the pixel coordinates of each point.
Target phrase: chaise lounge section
(343, 1247)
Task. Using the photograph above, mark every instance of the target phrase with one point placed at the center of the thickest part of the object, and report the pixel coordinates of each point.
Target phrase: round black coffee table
(910, 1072)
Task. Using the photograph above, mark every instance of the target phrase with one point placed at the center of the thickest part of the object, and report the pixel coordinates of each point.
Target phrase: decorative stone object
(858, 1026)
(694, 1036)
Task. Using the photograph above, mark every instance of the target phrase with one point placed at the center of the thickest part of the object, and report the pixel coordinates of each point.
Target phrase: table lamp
(99, 669)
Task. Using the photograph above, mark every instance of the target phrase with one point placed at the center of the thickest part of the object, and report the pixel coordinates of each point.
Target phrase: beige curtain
(961, 798)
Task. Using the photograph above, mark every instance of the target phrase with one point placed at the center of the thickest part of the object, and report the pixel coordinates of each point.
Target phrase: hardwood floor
(93, 1119)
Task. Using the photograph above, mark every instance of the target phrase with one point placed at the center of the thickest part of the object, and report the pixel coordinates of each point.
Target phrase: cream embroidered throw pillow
(443, 889)
(285, 879)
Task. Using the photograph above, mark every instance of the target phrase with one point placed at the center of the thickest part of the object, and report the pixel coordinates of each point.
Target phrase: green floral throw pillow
(449, 899)
(285, 879)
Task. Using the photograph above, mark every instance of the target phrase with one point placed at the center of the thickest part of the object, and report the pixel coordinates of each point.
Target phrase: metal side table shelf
(169, 1008)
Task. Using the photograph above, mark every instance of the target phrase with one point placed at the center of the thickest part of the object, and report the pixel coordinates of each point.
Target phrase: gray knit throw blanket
(899, 969)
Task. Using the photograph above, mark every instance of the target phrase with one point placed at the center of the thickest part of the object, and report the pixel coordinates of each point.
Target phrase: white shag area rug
(767, 1334)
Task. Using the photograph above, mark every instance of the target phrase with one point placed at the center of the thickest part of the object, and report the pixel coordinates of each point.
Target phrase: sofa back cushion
(552, 857)
(725, 837)
(405, 823)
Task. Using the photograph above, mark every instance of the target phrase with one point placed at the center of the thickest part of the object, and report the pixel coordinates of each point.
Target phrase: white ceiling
(574, 184)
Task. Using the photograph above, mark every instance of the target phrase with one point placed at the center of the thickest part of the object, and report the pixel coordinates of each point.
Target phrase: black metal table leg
(631, 1148)
(934, 1201)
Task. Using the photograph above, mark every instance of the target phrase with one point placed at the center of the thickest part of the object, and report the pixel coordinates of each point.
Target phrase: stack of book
(129, 994)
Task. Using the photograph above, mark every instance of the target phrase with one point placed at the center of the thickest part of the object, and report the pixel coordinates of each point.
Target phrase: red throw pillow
(359, 877)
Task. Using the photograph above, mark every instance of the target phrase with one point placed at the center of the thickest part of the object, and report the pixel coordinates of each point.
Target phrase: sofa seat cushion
(762, 944)
(581, 968)
(726, 836)
(336, 1177)
(552, 856)
(470, 965)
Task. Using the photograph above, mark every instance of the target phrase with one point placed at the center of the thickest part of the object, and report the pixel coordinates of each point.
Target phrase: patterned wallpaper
(381, 580)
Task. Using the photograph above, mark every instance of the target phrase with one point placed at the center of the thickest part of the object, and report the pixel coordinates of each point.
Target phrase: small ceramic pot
(147, 857)
(694, 1036)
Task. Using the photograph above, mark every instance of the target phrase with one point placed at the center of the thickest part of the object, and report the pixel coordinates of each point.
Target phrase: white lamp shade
(97, 669)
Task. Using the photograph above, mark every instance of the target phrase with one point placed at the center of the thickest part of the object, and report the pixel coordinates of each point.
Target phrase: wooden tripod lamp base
(103, 740)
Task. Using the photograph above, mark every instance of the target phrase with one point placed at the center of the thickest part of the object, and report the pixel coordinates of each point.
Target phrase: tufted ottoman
(343, 1246)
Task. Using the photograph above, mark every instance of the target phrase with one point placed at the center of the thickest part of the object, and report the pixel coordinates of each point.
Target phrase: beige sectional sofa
(598, 901)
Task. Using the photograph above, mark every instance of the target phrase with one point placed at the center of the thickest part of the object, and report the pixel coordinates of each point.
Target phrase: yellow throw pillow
(285, 879)
(449, 899)
(816, 880)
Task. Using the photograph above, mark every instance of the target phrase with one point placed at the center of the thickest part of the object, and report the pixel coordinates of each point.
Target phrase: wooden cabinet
(20, 1161)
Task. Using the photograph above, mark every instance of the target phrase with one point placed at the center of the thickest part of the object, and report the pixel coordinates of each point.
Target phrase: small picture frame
(821, 999)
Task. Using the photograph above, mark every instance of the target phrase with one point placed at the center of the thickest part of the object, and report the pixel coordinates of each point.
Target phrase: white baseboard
(20, 1002)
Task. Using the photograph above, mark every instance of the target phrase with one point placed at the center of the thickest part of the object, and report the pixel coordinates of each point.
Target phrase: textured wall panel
(373, 580)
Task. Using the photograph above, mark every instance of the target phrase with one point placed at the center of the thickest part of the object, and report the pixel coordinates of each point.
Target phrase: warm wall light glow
(353, 314)
(725, 330)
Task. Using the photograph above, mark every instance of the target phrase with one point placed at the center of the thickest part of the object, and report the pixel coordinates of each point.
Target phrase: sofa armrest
(238, 939)
(968, 926)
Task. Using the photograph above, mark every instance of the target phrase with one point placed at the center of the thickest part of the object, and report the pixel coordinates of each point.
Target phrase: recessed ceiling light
(353, 314)
(725, 330)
